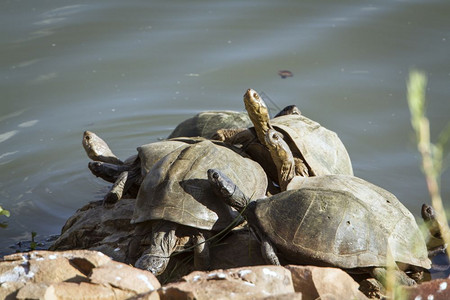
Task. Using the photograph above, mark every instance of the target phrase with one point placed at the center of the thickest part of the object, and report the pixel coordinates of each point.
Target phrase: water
(132, 70)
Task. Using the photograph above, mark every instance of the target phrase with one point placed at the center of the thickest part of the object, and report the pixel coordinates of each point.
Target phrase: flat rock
(56, 275)
(324, 283)
(124, 277)
(242, 283)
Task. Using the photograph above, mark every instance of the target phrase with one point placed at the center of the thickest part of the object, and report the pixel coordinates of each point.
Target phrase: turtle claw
(151, 263)
(110, 198)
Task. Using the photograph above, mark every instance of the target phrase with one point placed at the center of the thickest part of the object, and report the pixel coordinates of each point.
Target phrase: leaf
(4, 212)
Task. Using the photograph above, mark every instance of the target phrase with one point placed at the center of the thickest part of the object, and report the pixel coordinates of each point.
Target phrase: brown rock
(289, 296)
(326, 283)
(65, 275)
(125, 277)
(30, 290)
(9, 290)
(438, 289)
(85, 291)
(39, 267)
(242, 283)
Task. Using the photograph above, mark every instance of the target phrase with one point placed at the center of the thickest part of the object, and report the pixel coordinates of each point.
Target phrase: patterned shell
(177, 189)
(321, 148)
(341, 221)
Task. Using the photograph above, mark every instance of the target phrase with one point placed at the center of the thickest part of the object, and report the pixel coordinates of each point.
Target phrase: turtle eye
(255, 95)
(215, 175)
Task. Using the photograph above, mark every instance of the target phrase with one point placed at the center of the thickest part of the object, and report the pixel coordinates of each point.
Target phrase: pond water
(132, 70)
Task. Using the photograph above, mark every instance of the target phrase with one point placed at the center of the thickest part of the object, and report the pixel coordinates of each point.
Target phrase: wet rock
(438, 289)
(241, 283)
(326, 283)
(56, 275)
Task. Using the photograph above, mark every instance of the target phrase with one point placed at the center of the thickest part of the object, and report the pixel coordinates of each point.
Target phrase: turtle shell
(321, 148)
(342, 221)
(150, 154)
(205, 124)
(177, 189)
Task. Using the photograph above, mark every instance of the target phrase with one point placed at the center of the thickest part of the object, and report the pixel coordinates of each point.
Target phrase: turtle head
(258, 112)
(255, 105)
(89, 142)
(289, 110)
(251, 97)
(221, 184)
(97, 149)
(282, 157)
(225, 188)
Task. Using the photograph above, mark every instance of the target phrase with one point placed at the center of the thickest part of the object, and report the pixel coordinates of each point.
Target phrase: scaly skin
(258, 113)
(282, 157)
(98, 150)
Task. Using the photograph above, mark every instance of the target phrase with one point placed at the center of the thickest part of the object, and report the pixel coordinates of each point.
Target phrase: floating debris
(285, 73)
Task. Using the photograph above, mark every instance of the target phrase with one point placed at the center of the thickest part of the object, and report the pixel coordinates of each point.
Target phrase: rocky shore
(103, 269)
(85, 274)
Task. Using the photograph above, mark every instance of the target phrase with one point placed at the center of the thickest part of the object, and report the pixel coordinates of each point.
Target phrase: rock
(71, 290)
(326, 283)
(56, 275)
(94, 227)
(124, 277)
(242, 283)
(438, 289)
(29, 291)
(289, 296)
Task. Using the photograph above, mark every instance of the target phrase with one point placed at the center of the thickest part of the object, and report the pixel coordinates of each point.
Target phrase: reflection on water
(131, 71)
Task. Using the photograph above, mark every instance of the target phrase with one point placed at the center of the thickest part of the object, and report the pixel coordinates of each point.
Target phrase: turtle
(435, 241)
(175, 200)
(206, 123)
(126, 175)
(331, 220)
(317, 151)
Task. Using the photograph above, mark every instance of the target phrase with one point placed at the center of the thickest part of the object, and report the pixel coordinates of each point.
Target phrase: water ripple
(7, 135)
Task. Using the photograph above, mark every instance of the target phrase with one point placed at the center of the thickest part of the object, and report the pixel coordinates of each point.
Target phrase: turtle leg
(140, 232)
(380, 274)
(106, 171)
(123, 183)
(268, 252)
(227, 135)
(201, 252)
(372, 288)
(163, 243)
(117, 190)
(300, 167)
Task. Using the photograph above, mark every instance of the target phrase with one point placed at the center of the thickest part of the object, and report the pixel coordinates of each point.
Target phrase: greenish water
(132, 70)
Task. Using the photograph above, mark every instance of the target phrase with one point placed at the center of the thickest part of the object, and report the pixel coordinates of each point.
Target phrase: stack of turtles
(310, 207)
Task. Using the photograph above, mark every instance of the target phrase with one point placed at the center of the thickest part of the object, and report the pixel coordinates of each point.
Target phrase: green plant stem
(430, 164)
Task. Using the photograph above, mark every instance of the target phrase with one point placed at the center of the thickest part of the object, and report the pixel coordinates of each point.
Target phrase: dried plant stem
(431, 161)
